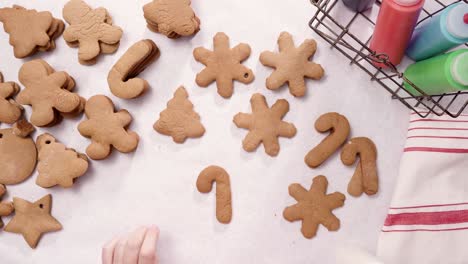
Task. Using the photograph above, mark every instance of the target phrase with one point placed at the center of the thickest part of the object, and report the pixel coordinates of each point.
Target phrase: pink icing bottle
(394, 27)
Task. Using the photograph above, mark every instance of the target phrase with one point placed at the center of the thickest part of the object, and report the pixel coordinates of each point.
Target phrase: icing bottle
(395, 25)
(359, 5)
(441, 74)
(440, 33)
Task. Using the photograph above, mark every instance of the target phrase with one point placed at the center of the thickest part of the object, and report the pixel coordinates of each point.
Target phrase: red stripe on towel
(436, 128)
(429, 205)
(438, 137)
(440, 150)
(424, 230)
(439, 120)
(427, 218)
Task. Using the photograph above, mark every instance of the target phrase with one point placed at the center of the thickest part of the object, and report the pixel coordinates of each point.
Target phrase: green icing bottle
(446, 73)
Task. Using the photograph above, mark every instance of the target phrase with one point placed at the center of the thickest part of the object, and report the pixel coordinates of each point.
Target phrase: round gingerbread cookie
(18, 156)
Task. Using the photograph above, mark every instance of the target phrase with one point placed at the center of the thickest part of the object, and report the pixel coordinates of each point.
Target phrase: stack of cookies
(49, 93)
(173, 18)
(30, 31)
(91, 30)
(122, 77)
(54, 32)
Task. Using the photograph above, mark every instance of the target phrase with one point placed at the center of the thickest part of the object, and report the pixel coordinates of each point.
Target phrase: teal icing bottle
(444, 31)
(445, 73)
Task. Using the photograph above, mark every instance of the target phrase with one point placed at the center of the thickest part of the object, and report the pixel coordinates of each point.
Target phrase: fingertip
(107, 253)
(137, 235)
(141, 228)
(151, 237)
(119, 250)
(148, 254)
(154, 228)
(134, 243)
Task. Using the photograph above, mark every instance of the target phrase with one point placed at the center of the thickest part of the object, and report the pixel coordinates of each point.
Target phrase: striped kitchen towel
(428, 218)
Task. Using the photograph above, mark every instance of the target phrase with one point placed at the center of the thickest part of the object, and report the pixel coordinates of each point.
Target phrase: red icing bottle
(394, 27)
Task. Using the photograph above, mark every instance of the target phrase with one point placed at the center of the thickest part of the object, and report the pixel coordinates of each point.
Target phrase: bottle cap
(457, 21)
(459, 68)
(408, 2)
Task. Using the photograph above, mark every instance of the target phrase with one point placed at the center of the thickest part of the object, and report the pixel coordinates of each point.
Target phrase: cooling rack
(346, 36)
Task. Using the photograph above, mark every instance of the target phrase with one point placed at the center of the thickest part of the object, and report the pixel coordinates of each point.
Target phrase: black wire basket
(344, 36)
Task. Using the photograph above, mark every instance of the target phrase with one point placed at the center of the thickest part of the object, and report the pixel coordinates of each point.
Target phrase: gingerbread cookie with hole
(223, 65)
(58, 165)
(265, 124)
(179, 120)
(32, 220)
(107, 128)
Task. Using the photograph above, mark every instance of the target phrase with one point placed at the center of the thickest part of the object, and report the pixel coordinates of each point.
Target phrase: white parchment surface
(156, 184)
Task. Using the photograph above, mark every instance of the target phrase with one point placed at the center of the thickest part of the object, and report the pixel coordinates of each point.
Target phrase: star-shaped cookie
(223, 65)
(292, 64)
(265, 125)
(33, 219)
(314, 207)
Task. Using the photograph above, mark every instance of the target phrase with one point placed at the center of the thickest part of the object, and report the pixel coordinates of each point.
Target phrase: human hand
(137, 247)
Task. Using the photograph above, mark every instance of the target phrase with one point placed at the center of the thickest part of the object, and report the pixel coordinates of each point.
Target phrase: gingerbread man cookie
(223, 65)
(47, 92)
(265, 125)
(179, 120)
(314, 207)
(6, 208)
(10, 110)
(88, 28)
(33, 219)
(58, 165)
(106, 128)
(292, 64)
(173, 18)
